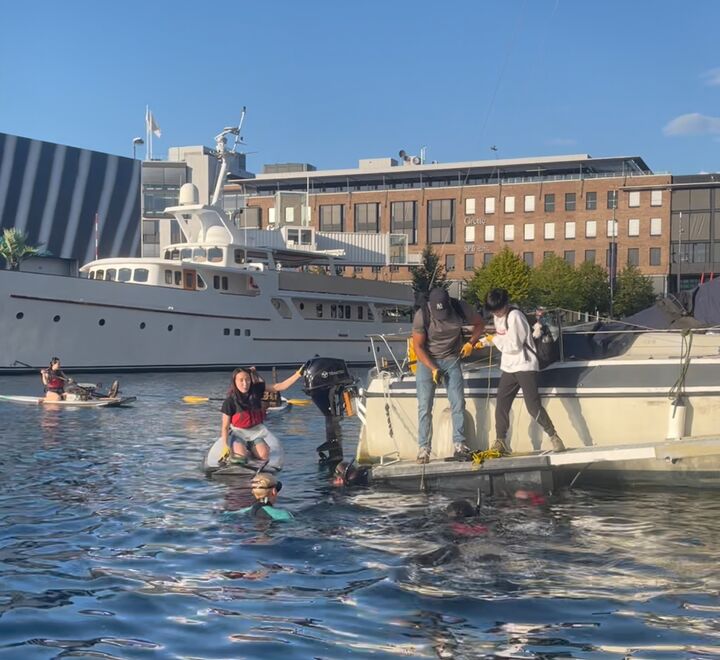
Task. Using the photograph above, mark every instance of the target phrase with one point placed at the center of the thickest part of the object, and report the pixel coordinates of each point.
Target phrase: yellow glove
(487, 340)
(466, 349)
(437, 375)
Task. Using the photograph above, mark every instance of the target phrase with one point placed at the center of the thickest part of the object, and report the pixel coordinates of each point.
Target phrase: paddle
(205, 399)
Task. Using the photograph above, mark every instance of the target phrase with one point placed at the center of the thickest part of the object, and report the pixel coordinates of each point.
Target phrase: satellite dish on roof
(416, 160)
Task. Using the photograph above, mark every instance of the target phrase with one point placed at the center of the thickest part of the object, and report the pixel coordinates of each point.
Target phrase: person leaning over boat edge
(519, 369)
(242, 429)
(438, 343)
(54, 379)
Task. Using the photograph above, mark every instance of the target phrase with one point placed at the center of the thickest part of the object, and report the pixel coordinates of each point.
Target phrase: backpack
(544, 347)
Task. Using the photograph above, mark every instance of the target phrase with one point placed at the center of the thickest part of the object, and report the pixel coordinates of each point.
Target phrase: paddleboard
(90, 403)
(213, 465)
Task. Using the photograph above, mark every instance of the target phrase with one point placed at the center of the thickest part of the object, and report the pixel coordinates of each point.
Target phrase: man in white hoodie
(519, 367)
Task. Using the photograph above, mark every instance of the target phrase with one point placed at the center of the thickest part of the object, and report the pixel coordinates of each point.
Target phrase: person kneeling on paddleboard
(243, 431)
(265, 488)
(54, 380)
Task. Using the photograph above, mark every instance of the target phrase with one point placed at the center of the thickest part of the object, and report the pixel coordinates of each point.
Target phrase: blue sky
(330, 82)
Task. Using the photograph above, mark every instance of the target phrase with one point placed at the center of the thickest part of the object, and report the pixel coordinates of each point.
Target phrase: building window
(529, 258)
(529, 203)
(570, 230)
(510, 205)
(633, 227)
(547, 254)
(634, 199)
(489, 233)
(403, 220)
(469, 233)
(569, 257)
(441, 221)
(470, 206)
(569, 201)
(591, 229)
(591, 201)
(449, 262)
(489, 205)
(529, 232)
(549, 202)
(655, 256)
(487, 258)
(331, 217)
(470, 261)
(656, 197)
(633, 257)
(549, 231)
(655, 226)
(509, 232)
(590, 256)
(612, 228)
(612, 199)
(367, 218)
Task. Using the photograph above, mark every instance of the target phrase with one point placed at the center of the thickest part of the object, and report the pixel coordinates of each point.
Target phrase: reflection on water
(113, 545)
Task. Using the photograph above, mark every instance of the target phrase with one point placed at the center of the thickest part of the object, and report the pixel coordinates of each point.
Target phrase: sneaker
(423, 456)
(557, 443)
(462, 452)
(500, 447)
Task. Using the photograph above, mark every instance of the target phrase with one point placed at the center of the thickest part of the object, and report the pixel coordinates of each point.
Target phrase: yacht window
(347, 312)
(215, 255)
(333, 311)
(302, 306)
(141, 275)
(371, 316)
(282, 308)
(124, 275)
(360, 312)
(91, 276)
(99, 274)
(186, 253)
(167, 255)
(254, 255)
(224, 283)
(236, 332)
(216, 281)
(319, 310)
(168, 277)
(226, 331)
(175, 254)
(200, 254)
(293, 235)
(201, 283)
(110, 274)
(341, 312)
(239, 256)
(305, 237)
(178, 277)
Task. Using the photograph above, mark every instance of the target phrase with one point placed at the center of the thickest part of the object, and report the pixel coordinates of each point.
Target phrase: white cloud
(711, 77)
(692, 123)
(561, 142)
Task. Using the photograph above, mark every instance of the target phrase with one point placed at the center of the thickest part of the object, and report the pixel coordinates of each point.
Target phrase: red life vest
(54, 382)
(246, 419)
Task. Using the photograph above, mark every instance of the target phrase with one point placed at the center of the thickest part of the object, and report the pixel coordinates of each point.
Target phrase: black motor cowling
(329, 384)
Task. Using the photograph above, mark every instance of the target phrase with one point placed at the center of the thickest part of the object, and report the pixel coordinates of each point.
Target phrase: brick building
(573, 206)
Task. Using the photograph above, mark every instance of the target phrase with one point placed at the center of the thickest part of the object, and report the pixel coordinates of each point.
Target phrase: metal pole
(679, 256)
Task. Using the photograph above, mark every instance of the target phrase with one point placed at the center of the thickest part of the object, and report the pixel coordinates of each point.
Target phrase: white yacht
(211, 302)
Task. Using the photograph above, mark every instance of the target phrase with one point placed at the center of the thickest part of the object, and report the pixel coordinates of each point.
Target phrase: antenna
(238, 137)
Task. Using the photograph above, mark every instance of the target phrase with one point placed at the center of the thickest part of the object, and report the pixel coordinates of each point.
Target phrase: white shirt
(513, 338)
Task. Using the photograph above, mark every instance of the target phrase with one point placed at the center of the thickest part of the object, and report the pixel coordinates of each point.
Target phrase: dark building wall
(52, 193)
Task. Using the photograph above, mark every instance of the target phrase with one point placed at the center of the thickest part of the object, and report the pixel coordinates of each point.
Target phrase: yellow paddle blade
(195, 399)
(299, 402)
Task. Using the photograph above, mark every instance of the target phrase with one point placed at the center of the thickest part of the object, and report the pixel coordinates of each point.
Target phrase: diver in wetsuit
(265, 488)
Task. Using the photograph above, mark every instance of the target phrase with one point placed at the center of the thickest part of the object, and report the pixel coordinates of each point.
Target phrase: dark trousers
(508, 387)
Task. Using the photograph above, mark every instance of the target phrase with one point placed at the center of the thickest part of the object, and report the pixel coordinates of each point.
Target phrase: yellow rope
(479, 457)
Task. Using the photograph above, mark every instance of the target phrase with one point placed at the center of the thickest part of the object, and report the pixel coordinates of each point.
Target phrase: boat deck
(694, 460)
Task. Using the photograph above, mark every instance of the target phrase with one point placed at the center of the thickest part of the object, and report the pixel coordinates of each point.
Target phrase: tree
(14, 248)
(429, 274)
(555, 283)
(505, 270)
(594, 288)
(633, 292)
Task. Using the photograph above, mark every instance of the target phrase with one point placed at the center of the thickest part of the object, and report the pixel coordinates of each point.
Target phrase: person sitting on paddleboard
(243, 431)
(54, 380)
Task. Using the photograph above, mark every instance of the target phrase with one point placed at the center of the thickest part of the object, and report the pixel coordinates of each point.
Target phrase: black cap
(439, 302)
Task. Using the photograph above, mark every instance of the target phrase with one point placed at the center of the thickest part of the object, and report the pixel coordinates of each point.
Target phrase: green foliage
(555, 283)
(633, 292)
(594, 288)
(506, 270)
(14, 248)
(429, 274)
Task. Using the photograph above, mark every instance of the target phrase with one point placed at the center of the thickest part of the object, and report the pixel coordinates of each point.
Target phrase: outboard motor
(331, 387)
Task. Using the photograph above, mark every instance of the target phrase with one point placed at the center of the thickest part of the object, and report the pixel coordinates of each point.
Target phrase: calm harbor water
(114, 545)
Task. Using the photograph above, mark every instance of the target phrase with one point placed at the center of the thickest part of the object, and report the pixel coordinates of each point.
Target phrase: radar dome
(218, 235)
(189, 194)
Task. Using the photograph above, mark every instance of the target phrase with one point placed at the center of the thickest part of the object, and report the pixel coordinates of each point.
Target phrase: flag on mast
(150, 123)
